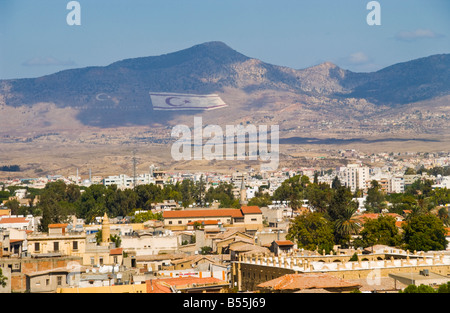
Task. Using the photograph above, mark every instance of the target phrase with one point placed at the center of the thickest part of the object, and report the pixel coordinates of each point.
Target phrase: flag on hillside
(177, 101)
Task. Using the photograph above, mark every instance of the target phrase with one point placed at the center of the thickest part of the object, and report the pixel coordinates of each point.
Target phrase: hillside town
(245, 231)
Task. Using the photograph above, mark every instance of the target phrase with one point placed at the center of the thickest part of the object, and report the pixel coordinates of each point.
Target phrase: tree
(444, 288)
(336, 183)
(14, 206)
(340, 201)
(424, 233)
(319, 196)
(375, 198)
(346, 225)
(3, 279)
(55, 204)
(261, 199)
(418, 289)
(410, 171)
(205, 250)
(146, 216)
(312, 231)
(380, 231)
(443, 216)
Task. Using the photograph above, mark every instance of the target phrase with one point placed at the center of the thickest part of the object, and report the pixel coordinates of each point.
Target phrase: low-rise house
(282, 246)
(148, 243)
(17, 222)
(47, 281)
(248, 217)
(58, 241)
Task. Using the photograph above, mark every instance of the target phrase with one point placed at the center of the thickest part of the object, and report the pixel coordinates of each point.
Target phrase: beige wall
(248, 276)
(146, 245)
(65, 243)
(47, 282)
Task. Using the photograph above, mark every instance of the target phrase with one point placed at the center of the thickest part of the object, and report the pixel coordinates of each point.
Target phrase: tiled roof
(376, 215)
(307, 281)
(116, 251)
(251, 210)
(12, 220)
(203, 213)
(163, 285)
(284, 243)
(57, 225)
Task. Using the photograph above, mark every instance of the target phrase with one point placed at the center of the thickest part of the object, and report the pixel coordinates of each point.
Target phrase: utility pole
(134, 169)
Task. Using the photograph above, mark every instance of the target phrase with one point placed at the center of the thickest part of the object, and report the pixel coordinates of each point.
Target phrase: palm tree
(346, 225)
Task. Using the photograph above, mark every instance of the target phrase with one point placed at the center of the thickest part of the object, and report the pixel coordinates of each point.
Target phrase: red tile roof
(116, 251)
(284, 243)
(12, 220)
(306, 281)
(57, 225)
(203, 213)
(163, 285)
(251, 210)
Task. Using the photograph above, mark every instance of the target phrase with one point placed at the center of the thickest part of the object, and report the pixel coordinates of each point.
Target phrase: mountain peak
(324, 66)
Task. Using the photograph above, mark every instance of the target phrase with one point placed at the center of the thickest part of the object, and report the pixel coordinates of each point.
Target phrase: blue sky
(36, 40)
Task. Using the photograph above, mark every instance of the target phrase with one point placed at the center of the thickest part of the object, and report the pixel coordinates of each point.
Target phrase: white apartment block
(397, 184)
(124, 181)
(355, 176)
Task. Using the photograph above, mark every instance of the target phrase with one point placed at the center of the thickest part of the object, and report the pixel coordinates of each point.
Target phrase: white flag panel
(177, 101)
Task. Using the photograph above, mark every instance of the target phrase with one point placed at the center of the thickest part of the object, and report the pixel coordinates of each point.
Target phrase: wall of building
(247, 276)
(150, 245)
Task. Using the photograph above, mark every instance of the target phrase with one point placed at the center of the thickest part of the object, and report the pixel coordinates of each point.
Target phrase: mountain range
(91, 118)
(214, 67)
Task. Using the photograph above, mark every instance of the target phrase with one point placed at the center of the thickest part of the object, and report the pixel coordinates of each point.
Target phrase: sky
(36, 39)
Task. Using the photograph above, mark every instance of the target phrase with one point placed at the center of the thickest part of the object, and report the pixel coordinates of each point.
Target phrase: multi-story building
(249, 217)
(57, 241)
(355, 176)
(397, 184)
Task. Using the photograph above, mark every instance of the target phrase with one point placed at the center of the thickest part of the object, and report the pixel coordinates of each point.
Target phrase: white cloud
(416, 34)
(47, 61)
(358, 61)
(358, 58)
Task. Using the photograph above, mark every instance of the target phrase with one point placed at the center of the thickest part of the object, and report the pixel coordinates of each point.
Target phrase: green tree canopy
(375, 198)
(312, 231)
(424, 232)
(380, 231)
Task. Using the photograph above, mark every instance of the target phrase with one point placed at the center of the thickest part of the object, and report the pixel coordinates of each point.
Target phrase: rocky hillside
(119, 93)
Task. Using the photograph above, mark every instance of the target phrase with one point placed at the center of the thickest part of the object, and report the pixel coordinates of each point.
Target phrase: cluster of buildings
(208, 249)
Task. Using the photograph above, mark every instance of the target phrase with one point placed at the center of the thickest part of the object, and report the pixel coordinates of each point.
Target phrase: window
(101, 261)
(56, 246)
(92, 260)
(75, 245)
(47, 282)
(59, 280)
(179, 222)
(170, 222)
(37, 246)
